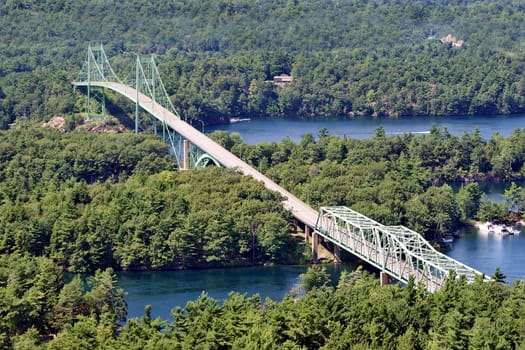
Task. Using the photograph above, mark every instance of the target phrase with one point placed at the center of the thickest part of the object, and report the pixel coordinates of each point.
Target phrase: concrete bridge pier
(315, 247)
(186, 155)
(337, 254)
(306, 232)
(384, 278)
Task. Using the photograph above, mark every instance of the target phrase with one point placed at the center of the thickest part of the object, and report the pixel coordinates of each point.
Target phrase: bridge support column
(315, 247)
(306, 232)
(294, 226)
(337, 254)
(384, 278)
(186, 155)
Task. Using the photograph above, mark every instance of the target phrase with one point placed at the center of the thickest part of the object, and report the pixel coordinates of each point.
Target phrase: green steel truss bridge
(395, 250)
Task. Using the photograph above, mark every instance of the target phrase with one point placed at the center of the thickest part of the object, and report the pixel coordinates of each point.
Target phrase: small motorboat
(447, 239)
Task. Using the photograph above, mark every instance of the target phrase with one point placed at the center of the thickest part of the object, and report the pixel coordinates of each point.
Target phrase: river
(274, 130)
(486, 252)
(165, 290)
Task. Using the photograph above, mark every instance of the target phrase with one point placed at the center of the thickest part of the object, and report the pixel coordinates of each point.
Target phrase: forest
(76, 205)
(77, 201)
(42, 311)
(405, 179)
(347, 58)
(90, 201)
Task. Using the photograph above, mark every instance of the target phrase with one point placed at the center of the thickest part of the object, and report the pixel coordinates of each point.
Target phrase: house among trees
(449, 39)
(282, 78)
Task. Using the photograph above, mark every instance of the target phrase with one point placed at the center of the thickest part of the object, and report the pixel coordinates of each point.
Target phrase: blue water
(493, 190)
(164, 290)
(274, 130)
(486, 252)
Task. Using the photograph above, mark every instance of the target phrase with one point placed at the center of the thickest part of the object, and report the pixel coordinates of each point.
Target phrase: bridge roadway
(294, 205)
(396, 266)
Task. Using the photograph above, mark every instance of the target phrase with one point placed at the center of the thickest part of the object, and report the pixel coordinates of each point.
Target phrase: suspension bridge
(396, 251)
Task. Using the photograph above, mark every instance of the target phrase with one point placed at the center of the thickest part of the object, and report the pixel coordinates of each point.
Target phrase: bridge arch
(204, 160)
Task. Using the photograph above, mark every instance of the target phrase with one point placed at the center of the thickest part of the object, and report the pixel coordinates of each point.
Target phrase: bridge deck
(398, 252)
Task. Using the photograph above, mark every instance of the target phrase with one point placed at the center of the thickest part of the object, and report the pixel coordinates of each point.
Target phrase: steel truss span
(396, 250)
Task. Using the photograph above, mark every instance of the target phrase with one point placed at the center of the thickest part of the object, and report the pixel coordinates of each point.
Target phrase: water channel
(168, 289)
(274, 130)
(165, 290)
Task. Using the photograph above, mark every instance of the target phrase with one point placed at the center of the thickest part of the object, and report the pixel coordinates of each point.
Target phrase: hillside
(218, 58)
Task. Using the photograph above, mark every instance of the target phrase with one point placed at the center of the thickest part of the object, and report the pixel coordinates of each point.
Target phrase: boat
(486, 227)
(447, 239)
(236, 120)
(498, 229)
(505, 230)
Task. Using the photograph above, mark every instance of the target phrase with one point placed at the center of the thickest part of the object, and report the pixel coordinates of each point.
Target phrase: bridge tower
(96, 68)
(95, 75)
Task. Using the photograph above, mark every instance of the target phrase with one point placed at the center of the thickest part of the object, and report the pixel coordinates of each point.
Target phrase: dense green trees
(395, 180)
(510, 209)
(357, 313)
(469, 200)
(217, 58)
(85, 201)
(82, 202)
(315, 277)
(89, 201)
(36, 301)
